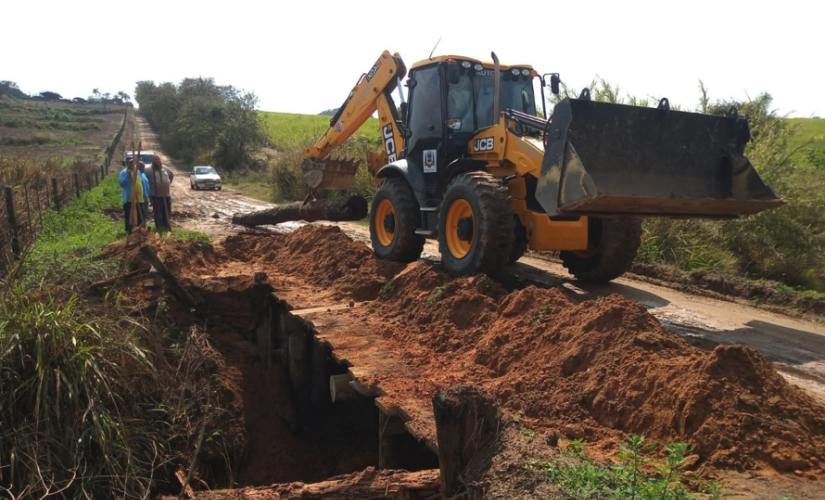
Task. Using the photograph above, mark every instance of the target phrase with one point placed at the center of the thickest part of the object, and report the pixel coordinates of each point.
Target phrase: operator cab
(451, 101)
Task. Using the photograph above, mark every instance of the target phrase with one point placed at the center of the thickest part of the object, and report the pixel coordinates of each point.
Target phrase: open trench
(333, 360)
(304, 418)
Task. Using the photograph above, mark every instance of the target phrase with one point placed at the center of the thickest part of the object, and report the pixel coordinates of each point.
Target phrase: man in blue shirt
(125, 181)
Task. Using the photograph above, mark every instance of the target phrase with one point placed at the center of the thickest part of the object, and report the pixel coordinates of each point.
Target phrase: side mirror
(453, 73)
(554, 83)
(404, 112)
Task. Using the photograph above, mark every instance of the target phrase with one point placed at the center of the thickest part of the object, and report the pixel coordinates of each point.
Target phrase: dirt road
(797, 348)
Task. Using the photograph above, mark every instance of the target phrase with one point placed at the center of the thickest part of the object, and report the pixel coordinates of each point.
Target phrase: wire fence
(23, 205)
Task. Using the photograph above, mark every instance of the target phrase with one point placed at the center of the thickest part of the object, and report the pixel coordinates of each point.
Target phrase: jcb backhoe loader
(471, 162)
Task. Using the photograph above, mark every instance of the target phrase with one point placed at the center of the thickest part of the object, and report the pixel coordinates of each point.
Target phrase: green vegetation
(385, 290)
(436, 295)
(202, 122)
(288, 130)
(292, 134)
(254, 184)
(97, 403)
(807, 144)
(39, 130)
(71, 238)
(635, 476)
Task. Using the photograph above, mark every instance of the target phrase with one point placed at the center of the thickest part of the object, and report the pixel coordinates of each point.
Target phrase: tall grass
(15, 170)
(74, 383)
(94, 403)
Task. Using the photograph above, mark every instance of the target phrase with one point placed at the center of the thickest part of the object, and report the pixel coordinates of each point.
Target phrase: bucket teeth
(330, 174)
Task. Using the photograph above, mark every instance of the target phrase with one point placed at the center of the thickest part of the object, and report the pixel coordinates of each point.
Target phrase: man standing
(160, 181)
(137, 194)
(145, 205)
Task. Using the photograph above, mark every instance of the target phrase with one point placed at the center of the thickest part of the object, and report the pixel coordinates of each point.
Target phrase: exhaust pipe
(496, 88)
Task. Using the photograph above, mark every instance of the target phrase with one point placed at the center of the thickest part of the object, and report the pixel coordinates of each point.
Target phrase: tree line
(201, 122)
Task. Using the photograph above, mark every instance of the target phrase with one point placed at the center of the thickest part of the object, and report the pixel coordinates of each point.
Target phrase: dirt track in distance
(796, 347)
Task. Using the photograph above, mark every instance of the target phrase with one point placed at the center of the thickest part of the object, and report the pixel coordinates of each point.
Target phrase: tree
(106, 97)
(50, 96)
(10, 88)
(96, 93)
(124, 97)
(199, 120)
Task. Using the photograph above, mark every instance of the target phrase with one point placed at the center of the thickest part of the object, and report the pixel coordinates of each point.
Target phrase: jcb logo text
(389, 143)
(483, 144)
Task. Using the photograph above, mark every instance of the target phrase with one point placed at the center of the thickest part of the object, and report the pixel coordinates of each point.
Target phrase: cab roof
(485, 64)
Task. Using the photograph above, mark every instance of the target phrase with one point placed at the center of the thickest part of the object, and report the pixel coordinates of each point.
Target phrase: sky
(305, 56)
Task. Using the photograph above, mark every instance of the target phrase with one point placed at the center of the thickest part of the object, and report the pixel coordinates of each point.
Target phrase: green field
(810, 134)
(288, 130)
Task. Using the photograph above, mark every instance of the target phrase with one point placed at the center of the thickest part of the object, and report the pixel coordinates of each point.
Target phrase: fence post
(56, 193)
(89, 180)
(39, 210)
(15, 235)
(102, 174)
(96, 181)
(76, 184)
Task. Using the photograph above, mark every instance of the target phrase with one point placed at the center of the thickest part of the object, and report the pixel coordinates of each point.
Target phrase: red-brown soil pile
(322, 255)
(603, 368)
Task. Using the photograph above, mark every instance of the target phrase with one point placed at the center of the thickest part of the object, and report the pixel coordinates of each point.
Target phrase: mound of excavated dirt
(322, 255)
(600, 369)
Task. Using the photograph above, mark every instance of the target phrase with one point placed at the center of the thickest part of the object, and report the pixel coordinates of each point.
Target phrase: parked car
(145, 157)
(204, 177)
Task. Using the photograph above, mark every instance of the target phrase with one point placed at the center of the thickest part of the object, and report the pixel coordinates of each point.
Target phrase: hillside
(40, 130)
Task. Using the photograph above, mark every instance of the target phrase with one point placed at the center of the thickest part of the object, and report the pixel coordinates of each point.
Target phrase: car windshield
(204, 170)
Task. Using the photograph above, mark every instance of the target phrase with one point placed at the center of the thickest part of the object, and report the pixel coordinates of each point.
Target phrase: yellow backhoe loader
(471, 162)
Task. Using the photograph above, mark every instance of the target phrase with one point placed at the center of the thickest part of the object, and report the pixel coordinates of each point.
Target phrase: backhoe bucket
(330, 174)
(614, 159)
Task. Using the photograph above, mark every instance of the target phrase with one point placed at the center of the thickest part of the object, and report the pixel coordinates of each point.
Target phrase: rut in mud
(594, 370)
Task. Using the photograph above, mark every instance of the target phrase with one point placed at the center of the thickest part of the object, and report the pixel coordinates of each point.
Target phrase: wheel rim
(459, 244)
(384, 210)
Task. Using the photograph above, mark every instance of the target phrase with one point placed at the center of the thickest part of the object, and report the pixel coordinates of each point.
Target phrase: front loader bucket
(614, 159)
(330, 174)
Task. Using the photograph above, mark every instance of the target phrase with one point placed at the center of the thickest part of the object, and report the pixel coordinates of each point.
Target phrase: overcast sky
(305, 56)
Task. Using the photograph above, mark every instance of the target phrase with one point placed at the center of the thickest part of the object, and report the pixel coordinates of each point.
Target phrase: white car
(145, 157)
(204, 178)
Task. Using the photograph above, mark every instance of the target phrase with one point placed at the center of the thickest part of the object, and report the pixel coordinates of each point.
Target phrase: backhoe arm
(372, 92)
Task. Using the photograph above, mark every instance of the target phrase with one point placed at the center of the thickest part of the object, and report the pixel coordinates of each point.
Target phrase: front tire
(612, 246)
(476, 227)
(394, 218)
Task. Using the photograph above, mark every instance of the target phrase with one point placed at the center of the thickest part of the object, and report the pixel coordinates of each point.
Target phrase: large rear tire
(475, 225)
(394, 217)
(613, 244)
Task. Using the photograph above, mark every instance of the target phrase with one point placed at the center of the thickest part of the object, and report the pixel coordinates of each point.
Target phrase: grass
(255, 185)
(287, 130)
(90, 407)
(810, 134)
(70, 239)
(636, 476)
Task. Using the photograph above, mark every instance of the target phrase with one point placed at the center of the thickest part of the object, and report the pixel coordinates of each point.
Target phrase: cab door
(425, 146)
